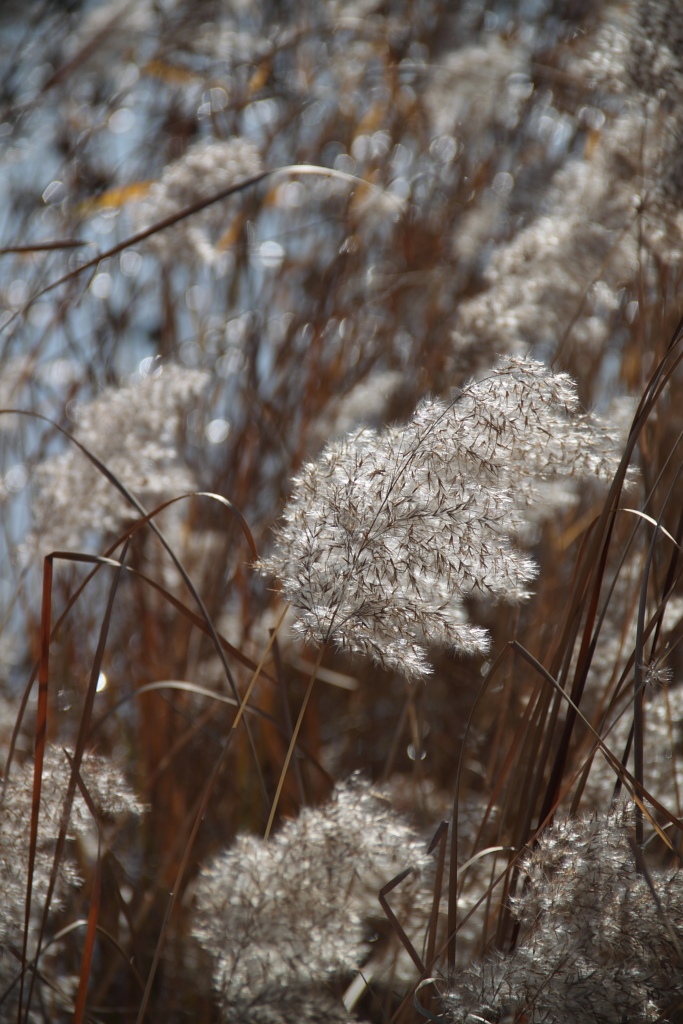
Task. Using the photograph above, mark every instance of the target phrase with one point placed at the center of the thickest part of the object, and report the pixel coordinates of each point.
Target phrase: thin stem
(290, 751)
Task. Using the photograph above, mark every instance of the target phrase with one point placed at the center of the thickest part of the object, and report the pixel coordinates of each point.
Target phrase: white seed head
(388, 533)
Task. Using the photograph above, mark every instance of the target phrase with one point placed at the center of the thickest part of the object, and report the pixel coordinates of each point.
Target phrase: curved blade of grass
(132, 500)
(189, 211)
(79, 748)
(39, 756)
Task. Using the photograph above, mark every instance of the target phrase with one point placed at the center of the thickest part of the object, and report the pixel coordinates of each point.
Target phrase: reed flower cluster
(595, 945)
(112, 797)
(208, 167)
(135, 430)
(284, 917)
(388, 533)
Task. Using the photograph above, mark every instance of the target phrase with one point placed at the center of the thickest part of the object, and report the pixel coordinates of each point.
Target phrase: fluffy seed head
(388, 533)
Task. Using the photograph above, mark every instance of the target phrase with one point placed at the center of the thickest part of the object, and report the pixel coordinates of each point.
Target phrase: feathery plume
(594, 946)
(291, 913)
(206, 168)
(111, 795)
(389, 532)
(134, 430)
